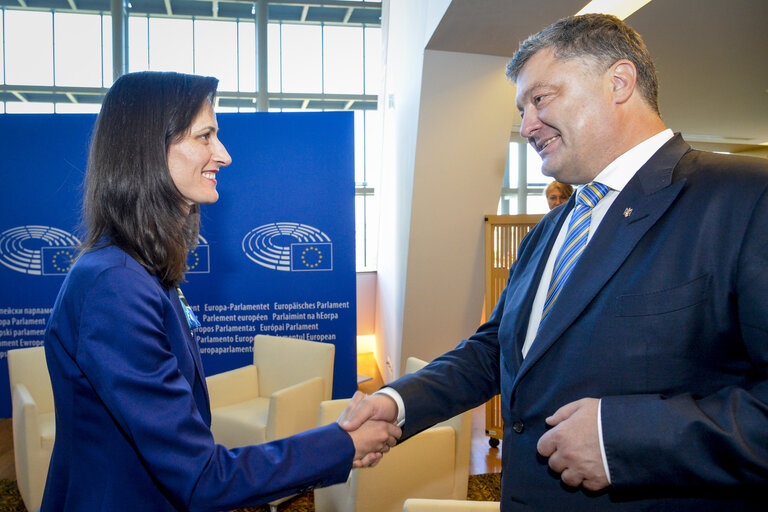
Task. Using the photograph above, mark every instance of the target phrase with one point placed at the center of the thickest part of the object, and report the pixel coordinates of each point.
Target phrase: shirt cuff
(394, 395)
(600, 437)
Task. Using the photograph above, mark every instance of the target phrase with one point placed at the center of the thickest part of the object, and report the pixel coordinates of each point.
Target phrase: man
(630, 345)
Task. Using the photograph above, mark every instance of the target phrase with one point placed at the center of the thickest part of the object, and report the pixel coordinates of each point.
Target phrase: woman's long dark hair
(130, 198)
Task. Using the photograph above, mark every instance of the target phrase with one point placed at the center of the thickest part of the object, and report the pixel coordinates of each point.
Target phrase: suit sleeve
(125, 355)
(458, 380)
(718, 440)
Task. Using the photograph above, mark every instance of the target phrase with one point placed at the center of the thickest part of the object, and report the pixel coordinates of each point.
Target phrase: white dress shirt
(616, 176)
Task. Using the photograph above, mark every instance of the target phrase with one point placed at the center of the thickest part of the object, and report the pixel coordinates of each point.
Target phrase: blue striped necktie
(575, 241)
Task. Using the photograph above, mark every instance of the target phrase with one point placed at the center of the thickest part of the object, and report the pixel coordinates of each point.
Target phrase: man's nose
(530, 123)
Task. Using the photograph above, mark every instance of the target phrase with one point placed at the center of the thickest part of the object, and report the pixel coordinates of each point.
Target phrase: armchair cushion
(241, 424)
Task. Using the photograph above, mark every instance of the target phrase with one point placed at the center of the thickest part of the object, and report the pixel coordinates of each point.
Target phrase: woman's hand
(372, 437)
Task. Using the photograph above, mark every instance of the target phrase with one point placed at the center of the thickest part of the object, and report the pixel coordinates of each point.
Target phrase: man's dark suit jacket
(132, 411)
(665, 317)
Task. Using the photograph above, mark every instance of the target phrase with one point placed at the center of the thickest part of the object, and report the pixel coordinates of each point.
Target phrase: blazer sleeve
(125, 354)
(689, 441)
(461, 379)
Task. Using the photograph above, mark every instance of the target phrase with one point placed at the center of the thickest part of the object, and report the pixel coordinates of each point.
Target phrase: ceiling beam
(326, 3)
(168, 9)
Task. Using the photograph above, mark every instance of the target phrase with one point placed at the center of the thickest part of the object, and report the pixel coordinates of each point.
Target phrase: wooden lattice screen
(503, 234)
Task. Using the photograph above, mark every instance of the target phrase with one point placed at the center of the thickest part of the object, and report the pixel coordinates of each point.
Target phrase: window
(320, 57)
(28, 39)
(343, 60)
(73, 52)
(524, 184)
(170, 44)
(215, 52)
(301, 59)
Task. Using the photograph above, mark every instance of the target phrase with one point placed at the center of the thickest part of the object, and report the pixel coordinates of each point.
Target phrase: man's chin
(554, 173)
(561, 175)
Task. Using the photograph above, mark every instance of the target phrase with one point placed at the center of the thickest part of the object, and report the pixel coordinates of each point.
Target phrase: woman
(557, 193)
(132, 410)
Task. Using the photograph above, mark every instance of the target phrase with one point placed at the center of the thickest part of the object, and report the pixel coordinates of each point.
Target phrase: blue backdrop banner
(276, 253)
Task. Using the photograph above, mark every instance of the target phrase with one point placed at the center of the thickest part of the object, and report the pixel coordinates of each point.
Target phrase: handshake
(370, 421)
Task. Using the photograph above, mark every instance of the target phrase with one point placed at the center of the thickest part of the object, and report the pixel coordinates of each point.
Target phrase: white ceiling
(711, 56)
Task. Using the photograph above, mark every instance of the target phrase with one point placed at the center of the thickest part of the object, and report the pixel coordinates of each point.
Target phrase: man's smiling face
(566, 115)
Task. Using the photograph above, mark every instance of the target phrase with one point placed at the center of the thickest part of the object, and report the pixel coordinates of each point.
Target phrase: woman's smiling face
(195, 160)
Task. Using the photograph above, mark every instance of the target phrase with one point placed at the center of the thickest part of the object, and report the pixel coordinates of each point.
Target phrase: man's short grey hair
(601, 37)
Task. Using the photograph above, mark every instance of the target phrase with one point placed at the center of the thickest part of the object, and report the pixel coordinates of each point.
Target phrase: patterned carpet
(481, 488)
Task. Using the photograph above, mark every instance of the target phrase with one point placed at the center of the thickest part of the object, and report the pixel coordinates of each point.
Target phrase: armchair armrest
(233, 386)
(26, 428)
(330, 410)
(424, 505)
(294, 409)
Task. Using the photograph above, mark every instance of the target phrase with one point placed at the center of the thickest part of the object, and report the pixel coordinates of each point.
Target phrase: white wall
(366, 303)
(466, 115)
(447, 120)
(406, 28)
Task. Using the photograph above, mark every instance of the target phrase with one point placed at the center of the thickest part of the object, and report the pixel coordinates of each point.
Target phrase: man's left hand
(573, 445)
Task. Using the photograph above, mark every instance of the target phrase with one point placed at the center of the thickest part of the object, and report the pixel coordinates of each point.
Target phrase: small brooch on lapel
(627, 212)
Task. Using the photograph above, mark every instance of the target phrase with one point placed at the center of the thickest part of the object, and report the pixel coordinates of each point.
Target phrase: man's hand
(364, 407)
(573, 445)
(367, 419)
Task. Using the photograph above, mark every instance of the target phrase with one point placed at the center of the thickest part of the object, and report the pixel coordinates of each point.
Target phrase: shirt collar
(618, 173)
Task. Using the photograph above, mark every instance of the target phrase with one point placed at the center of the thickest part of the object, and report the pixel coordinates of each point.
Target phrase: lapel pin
(627, 212)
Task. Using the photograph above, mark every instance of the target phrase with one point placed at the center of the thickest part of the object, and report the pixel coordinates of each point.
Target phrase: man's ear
(623, 80)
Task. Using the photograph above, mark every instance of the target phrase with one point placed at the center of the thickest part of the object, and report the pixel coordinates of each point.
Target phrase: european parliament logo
(38, 250)
(199, 258)
(312, 256)
(289, 247)
(58, 260)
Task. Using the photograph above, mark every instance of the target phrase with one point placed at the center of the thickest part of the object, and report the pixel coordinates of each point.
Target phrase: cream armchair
(421, 505)
(432, 464)
(34, 422)
(276, 396)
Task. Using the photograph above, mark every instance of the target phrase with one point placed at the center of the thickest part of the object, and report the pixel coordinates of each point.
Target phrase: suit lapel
(530, 276)
(637, 208)
(190, 342)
